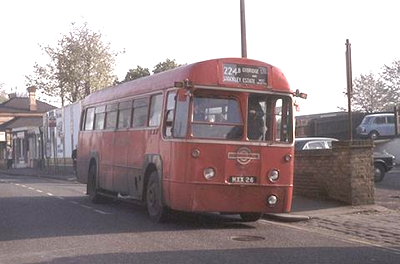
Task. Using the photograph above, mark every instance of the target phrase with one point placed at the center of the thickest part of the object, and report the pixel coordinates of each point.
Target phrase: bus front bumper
(231, 198)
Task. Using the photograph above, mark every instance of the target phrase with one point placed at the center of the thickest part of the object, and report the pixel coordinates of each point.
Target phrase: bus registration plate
(243, 179)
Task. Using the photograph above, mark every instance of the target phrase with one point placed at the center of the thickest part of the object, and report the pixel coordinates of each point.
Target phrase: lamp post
(243, 29)
(349, 87)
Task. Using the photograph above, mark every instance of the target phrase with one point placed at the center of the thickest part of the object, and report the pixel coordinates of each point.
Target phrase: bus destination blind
(245, 74)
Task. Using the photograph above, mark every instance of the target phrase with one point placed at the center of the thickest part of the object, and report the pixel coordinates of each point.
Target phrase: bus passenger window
(124, 116)
(155, 110)
(89, 119)
(140, 110)
(111, 116)
(99, 117)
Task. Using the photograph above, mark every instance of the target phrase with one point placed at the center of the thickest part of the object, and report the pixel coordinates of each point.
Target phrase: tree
(3, 93)
(391, 77)
(80, 64)
(166, 65)
(137, 73)
(140, 72)
(368, 94)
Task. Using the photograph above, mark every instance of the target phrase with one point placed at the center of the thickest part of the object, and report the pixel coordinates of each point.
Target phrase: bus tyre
(157, 212)
(92, 186)
(250, 217)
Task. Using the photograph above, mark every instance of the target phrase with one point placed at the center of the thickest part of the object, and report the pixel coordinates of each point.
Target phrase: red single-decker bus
(213, 136)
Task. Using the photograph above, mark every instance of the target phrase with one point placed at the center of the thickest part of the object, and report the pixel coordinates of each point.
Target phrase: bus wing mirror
(299, 94)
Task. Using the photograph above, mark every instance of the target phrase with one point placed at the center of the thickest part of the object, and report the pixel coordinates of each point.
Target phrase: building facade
(21, 121)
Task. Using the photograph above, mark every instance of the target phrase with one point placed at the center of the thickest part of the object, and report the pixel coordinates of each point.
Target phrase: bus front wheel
(250, 217)
(155, 208)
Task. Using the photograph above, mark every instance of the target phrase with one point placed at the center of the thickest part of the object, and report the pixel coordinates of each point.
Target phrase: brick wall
(343, 173)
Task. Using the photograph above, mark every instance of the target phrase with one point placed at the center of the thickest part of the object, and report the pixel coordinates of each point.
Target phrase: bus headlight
(272, 200)
(195, 153)
(287, 157)
(273, 175)
(209, 173)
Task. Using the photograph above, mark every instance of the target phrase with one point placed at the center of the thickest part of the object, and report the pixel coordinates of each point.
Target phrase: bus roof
(213, 73)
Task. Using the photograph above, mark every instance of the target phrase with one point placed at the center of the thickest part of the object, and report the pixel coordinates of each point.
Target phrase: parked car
(313, 143)
(377, 125)
(383, 162)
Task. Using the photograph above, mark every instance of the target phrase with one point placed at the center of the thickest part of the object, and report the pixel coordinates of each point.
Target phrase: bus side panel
(136, 152)
(166, 156)
(120, 162)
(174, 156)
(180, 194)
(106, 144)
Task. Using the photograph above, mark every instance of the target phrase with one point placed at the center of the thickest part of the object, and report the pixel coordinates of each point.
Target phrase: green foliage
(166, 65)
(80, 64)
(137, 73)
(140, 72)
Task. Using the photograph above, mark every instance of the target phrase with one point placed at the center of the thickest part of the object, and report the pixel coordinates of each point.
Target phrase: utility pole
(349, 87)
(243, 29)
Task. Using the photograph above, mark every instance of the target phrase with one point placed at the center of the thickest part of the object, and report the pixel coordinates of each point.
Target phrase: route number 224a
(231, 71)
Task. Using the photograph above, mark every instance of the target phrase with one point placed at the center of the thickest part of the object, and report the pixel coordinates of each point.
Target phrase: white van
(377, 125)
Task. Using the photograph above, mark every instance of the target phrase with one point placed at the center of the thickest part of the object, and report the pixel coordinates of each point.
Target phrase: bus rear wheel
(250, 217)
(156, 210)
(92, 185)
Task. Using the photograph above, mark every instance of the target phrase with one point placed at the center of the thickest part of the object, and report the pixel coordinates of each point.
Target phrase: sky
(305, 39)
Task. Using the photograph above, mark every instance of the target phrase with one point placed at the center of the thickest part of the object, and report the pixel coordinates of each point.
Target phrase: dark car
(383, 162)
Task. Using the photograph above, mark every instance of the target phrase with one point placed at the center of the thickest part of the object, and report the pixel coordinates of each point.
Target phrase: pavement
(41, 173)
(304, 208)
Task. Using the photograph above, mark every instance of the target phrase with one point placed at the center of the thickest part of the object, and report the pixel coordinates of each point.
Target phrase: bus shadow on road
(30, 217)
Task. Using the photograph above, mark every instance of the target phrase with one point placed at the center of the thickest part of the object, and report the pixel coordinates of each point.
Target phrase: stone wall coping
(314, 152)
(353, 144)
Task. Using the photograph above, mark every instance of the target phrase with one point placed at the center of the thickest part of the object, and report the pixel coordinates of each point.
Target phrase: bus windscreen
(216, 118)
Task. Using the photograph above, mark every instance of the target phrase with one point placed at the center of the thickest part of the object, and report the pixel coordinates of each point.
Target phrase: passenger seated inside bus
(256, 128)
(199, 110)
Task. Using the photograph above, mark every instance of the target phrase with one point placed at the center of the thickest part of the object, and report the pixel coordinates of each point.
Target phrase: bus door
(175, 126)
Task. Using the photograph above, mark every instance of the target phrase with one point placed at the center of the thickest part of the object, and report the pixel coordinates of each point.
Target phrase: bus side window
(181, 114)
(124, 114)
(89, 118)
(111, 116)
(99, 117)
(169, 114)
(155, 110)
(140, 111)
